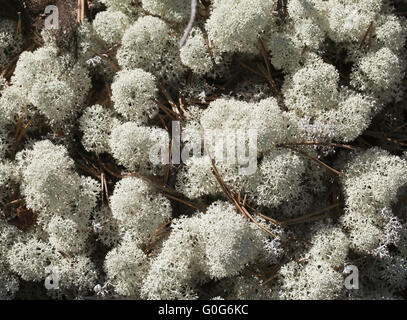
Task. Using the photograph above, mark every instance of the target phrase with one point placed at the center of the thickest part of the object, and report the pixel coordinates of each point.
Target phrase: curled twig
(194, 6)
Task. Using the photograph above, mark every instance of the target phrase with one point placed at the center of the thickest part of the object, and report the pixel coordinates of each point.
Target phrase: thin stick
(310, 143)
(20, 136)
(277, 223)
(244, 200)
(170, 100)
(187, 203)
(208, 44)
(166, 110)
(112, 173)
(106, 190)
(266, 281)
(162, 122)
(18, 30)
(264, 53)
(102, 186)
(317, 161)
(267, 63)
(265, 75)
(163, 226)
(363, 141)
(232, 198)
(269, 219)
(181, 106)
(381, 135)
(88, 170)
(251, 69)
(371, 36)
(14, 202)
(110, 63)
(306, 217)
(81, 10)
(168, 166)
(18, 127)
(366, 34)
(194, 5)
(399, 128)
(258, 224)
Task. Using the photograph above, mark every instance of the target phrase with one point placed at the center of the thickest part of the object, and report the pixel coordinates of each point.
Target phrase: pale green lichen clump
(310, 94)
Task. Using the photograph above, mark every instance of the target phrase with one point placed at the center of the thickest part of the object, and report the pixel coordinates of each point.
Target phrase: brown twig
(399, 128)
(17, 201)
(167, 191)
(104, 186)
(185, 202)
(113, 64)
(275, 222)
(322, 164)
(232, 197)
(242, 64)
(88, 170)
(369, 32)
(81, 10)
(364, 142)
(170, 113)
(309, 217)
(111, 172)
(208, 44)
(328, 144)
(19, 26)
(168, 166)
(383, 136)
(174, 106)
(267, 63)
(19, 135)
(181, 106)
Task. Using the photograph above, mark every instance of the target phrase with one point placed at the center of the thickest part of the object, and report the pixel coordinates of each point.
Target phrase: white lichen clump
(168, 10)
(110, 26)
(139, 208)
(133, 94)
(379, 73)
(194, 53)
(149, 45)
(51, 186)
(223, 115)
(97, 124)
(319, 277)
(234, 26)
(216, 244)
(288, 168)
(131, 144)
(53, 85)
(126, 267)
(10, 44)
(278, 178)
(372, 183)
(9, 282)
